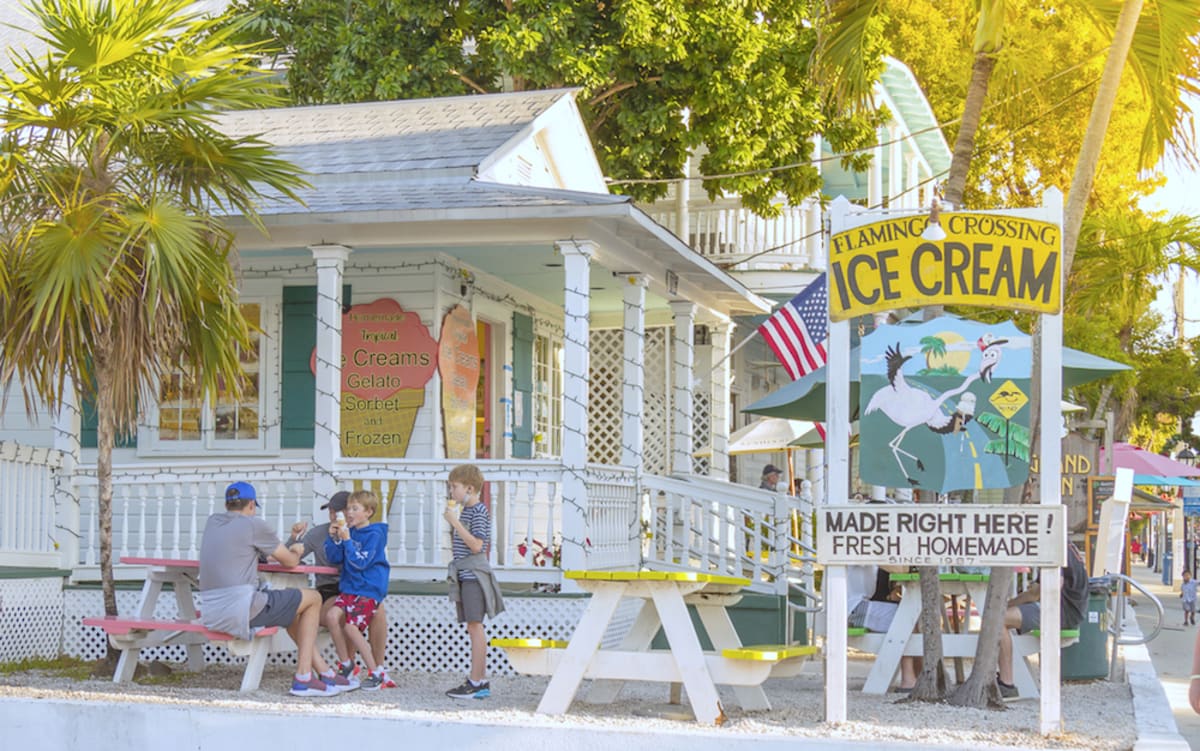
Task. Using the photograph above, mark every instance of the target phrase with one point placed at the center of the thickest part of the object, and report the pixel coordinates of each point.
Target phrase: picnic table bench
(131, 634)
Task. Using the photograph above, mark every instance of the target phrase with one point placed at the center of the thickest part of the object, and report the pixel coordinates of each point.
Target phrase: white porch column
(684, 356)
(683, 199)
(633, 394)
(720, 335)
(895, 169)
(327, 430)
(875, 172)
(912, 198)
(66, 492)
(577, 256)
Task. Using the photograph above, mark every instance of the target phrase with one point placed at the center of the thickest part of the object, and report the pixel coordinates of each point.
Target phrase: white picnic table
(665, 596)
(902, 638)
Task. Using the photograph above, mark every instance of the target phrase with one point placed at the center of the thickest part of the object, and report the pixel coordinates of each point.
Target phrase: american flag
(798, 330)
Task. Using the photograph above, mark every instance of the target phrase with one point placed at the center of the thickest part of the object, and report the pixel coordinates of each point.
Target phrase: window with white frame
(547, 396)
(186, 421)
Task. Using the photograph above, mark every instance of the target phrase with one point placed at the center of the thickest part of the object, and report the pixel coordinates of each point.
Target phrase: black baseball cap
(338, 501)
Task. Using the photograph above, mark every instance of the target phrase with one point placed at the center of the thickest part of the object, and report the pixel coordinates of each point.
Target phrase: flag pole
(733, 351)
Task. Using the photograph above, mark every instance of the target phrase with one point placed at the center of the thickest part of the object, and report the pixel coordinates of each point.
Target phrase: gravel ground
(1097, 714)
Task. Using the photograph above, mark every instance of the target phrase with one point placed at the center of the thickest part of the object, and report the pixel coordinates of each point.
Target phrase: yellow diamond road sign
(1008, 399)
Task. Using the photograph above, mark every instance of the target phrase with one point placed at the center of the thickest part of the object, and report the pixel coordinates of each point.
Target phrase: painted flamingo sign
(388, 356)
(944, 405)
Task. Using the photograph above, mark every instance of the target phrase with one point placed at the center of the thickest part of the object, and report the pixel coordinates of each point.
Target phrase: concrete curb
(1152, 715)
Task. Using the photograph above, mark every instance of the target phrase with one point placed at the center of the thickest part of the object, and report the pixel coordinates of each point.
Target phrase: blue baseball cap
(241, 491)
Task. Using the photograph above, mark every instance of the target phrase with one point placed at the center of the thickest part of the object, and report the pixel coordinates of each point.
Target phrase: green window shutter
(88, 421)
(522, 359)
(297, 400)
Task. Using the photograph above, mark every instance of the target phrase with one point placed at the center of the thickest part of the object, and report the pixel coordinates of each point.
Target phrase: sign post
(880, 261)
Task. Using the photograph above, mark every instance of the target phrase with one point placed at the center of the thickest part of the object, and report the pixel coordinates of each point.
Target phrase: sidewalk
(1171, 650)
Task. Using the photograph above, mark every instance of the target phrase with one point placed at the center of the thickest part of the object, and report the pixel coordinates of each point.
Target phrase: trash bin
(1168, 567)
(1088, 657)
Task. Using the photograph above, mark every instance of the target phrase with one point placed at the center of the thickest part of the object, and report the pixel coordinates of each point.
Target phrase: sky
(1181, 195)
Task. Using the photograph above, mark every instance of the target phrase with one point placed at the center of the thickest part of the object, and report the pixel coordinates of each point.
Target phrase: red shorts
(359, 610)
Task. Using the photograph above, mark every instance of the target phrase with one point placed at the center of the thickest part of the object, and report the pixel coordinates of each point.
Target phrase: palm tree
(117, 267)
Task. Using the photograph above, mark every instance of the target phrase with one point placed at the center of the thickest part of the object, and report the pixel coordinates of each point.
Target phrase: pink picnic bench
(129, 635)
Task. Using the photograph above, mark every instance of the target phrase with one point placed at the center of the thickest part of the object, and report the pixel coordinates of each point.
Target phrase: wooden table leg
(639, 638)
(560, 692)
(887, 662)
(689, 658)
(723, 636)
(187, 611)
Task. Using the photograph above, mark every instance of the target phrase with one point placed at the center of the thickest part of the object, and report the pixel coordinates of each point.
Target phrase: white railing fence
(160, 511)
(725, 231)
(693, 522)
(614, 522)
(29, 482)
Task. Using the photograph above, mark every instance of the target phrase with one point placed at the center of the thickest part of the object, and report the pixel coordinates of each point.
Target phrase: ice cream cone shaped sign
(388, 356)
(458, 365)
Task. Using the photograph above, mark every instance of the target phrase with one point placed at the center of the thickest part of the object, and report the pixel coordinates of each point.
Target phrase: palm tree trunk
(980, 688)
(931, 683)
(964, 142)
(1093, 137)
(105, 438)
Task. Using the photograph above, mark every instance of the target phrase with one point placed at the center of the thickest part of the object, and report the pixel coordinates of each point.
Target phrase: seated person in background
(875, 609)
(1025, 614)
(310, 540)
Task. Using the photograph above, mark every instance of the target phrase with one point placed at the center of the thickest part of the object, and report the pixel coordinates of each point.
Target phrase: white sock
(304, 677)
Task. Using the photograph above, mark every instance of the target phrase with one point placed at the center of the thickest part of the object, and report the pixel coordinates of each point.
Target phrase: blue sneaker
(312, 687)
(469, 690)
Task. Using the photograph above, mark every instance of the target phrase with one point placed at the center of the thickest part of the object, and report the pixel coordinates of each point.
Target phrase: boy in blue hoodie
(360, 548)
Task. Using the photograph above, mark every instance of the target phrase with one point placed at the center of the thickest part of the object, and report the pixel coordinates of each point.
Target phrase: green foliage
(1014, 440)
(114, 176)
(658, 78)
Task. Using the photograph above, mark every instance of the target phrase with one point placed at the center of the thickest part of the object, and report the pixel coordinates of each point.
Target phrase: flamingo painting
(911, 407)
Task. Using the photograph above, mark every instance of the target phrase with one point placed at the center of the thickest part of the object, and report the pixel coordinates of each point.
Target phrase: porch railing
(696, 522)
(726, 232)
(160, 511)
(28, 483)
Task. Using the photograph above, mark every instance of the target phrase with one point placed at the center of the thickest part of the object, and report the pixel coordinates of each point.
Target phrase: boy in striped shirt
(473, 587)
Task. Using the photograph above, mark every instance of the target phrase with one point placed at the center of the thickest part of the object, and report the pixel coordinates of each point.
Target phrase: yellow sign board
(1008, 399)
(989, 260)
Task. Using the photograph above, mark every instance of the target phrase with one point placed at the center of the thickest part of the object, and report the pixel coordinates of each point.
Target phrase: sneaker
(340, 683)
(372, 682)
(1008, 691)
(312, 687)
(387, 681)
(347, 670)
(470, 691)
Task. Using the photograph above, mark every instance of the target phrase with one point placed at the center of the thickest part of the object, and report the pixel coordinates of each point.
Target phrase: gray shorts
(471, 605)
(280, 609)
(1031, 617)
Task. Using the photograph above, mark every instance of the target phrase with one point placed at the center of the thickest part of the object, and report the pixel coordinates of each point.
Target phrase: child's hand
(298, 530)
(451, 512)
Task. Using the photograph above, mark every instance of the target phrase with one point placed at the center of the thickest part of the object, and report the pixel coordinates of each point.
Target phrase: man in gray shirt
(231, 599)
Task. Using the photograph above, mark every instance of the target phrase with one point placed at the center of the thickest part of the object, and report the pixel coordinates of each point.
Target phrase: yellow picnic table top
(677, 576)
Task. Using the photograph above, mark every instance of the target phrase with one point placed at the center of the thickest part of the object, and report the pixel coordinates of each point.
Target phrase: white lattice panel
(606, 355)
(606, 398)
(30, 610)
(656, 419)
(701, 430)
(423, 634)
